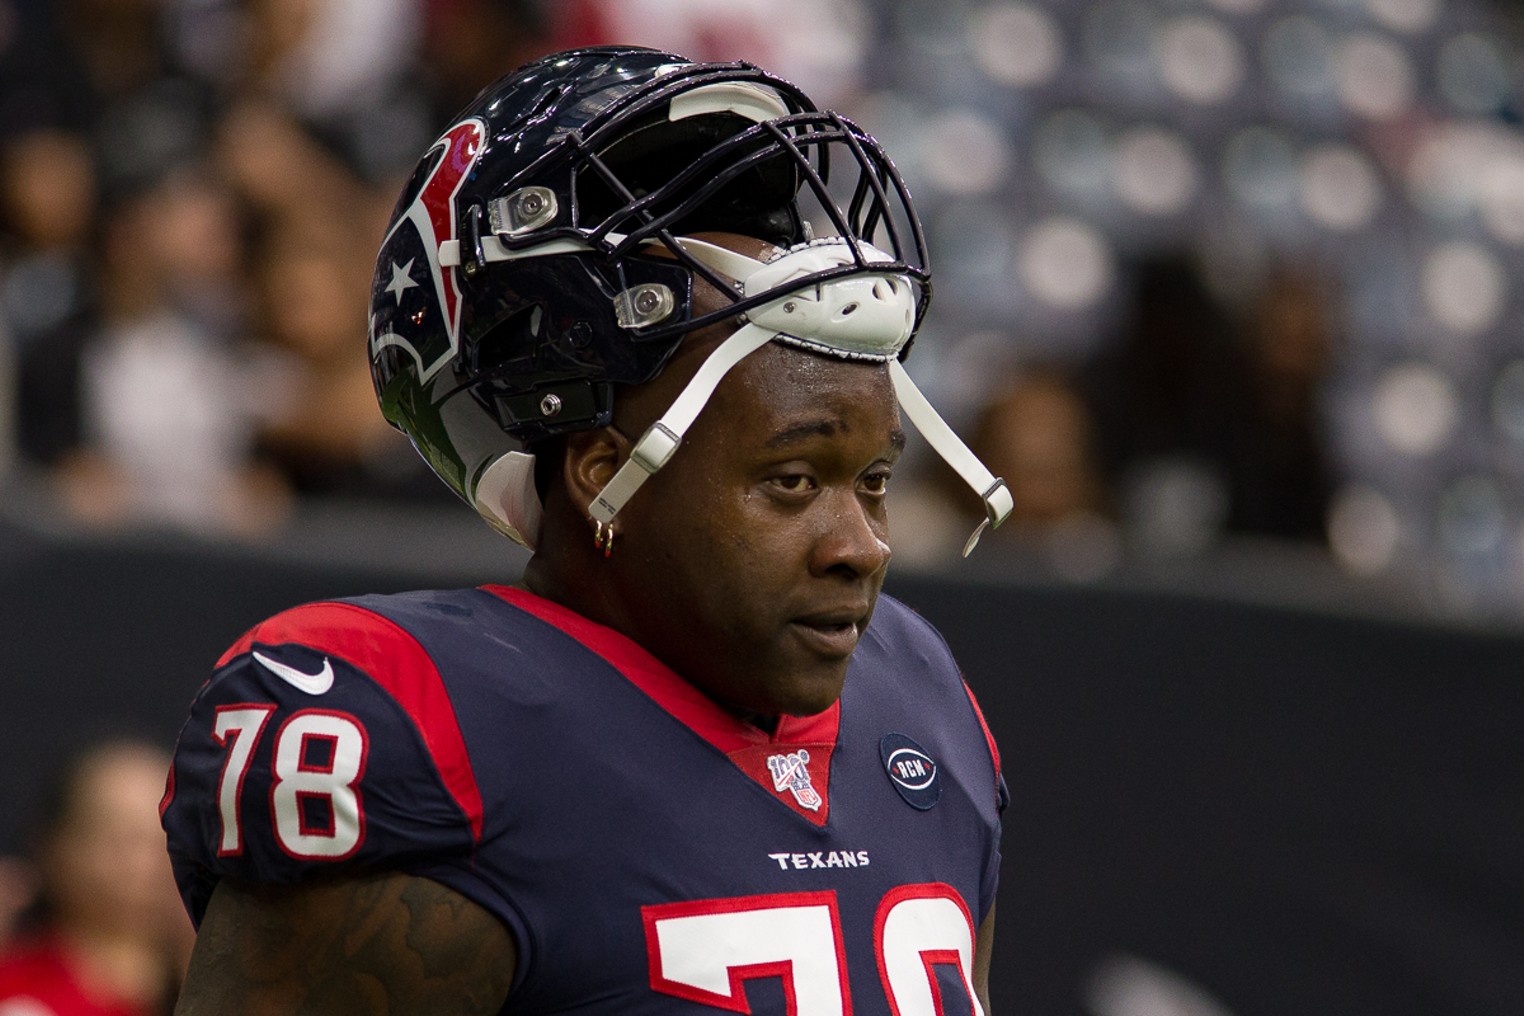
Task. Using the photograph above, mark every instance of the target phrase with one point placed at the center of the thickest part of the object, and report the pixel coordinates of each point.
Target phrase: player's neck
(768, 724)
(572, 584)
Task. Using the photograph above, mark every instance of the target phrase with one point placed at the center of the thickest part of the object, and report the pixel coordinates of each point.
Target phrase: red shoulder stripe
(394, 660)
(994, 751)
(169, 792)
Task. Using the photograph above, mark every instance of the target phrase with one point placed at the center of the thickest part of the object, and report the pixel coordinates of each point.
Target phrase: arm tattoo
(380, 945)
(984, 951)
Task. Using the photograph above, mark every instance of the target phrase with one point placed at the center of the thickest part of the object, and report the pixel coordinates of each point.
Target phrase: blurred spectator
(1167, 397)
(1209, 418)
(1280, 475)
(48, 205)
(346, 71)
(168, 397)
(119, 42)
(18, 888)
(320, 427)
(144, 112)
(818, 44)
(107, 935)
(471, 43)
(127, 304)
(41, 80)
(1037, 433)
(275, 163)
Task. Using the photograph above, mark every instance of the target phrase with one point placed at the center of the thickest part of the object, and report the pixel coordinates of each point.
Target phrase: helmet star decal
(402, 279)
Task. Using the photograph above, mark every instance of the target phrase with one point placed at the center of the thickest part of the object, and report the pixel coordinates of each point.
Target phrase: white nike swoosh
(312, 684)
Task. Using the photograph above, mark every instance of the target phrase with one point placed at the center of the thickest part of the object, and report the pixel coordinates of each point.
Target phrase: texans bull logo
(415, 304)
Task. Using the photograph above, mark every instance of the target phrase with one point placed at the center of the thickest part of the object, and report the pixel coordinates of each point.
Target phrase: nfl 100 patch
(911, 770)
(791, 772)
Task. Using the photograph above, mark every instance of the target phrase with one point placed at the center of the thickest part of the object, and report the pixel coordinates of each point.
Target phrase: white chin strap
(661, 439)
(856, 317)
(992, 490)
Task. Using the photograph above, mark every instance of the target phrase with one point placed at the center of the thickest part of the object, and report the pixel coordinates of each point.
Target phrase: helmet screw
(644, 305)
(788, 308)
(580, 335)
(523, 211)
(550, 405)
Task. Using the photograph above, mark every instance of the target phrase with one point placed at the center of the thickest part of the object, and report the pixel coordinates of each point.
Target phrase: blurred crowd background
(1212, 277)
(1208, 271)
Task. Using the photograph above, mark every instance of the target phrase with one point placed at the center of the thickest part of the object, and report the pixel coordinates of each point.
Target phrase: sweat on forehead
(771, 372)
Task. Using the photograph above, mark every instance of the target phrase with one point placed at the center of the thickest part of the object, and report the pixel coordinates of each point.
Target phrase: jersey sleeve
(324, 741)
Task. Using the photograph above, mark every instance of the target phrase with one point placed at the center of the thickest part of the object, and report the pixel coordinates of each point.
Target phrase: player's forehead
(777, 376)
(782, 397)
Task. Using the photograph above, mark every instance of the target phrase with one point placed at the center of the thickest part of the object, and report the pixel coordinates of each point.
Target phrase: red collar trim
(662, 685)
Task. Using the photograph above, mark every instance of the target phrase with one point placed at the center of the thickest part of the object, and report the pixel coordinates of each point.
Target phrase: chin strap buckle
(997, 507)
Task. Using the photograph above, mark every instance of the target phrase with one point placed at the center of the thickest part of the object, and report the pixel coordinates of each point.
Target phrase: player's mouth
(831, 634)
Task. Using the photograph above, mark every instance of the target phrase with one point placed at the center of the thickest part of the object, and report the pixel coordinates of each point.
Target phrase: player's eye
(794, 483)
(876, 482)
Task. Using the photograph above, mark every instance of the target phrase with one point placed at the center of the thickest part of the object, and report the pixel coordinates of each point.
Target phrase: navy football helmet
(543, 255)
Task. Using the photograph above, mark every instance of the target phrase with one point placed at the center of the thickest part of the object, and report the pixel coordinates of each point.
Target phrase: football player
(646, 316)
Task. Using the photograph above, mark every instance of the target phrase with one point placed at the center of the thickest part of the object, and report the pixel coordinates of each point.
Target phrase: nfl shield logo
(790, 773)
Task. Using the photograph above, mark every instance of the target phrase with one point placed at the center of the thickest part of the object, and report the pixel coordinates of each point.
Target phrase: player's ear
(592, 457)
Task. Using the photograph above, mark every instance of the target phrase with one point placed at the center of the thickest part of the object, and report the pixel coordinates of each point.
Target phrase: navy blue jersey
(649, 852)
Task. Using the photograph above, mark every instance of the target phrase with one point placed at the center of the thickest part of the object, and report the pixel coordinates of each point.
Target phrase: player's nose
(853, 537)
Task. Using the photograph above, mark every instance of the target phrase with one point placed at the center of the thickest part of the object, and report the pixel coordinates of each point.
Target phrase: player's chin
(809, 688)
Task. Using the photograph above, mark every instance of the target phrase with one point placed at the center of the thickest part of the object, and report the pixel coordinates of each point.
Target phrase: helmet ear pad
(530, 363)
(549, 458)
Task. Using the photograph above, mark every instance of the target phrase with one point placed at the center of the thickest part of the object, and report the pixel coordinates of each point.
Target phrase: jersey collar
(666, 688)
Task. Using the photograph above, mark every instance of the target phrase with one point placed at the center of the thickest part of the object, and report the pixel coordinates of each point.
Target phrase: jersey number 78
(319, 757)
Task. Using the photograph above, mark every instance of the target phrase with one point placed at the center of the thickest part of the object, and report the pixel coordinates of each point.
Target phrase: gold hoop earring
(603, 537)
